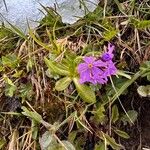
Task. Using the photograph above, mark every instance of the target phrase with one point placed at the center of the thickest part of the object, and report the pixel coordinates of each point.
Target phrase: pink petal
(96, 71)
(99, 63)
(82, 67)
(84, 76)
(110, 48)
(89, 59)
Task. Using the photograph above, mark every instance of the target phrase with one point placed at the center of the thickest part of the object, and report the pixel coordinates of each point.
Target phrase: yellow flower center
(90, 65)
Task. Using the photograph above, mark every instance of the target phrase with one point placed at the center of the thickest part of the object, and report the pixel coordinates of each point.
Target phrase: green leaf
(109, 34)
(140, 24)
(148, 77)
(46, 140)
(63, 83)
(10, 61)
(118, 83)
(7, 40)
(145, 66)
(17, 31)
(55, 68)
(132, 114)
(122, 134)
(111, 141)
(143, 24)
(2, 143)
(68, 145)
(99, 115)
(79, 142)
(146, 74)
(33, 115)
(11, 113)
(115, 114)
(26, 91)
(72, 136)
(17, 74)
(10, 87)
(1, 68)
(96, 15)
(7, 80)
(38, 41)
(29, 65)
(9, 90)
(120, 7)
(52, 75)
(51, 18)
(121, 73)
(144, 90)
(100, 146)
(127, 84)
(34, 128)
(85, 92)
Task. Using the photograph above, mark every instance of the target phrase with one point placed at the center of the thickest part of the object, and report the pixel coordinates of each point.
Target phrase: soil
(140, 131)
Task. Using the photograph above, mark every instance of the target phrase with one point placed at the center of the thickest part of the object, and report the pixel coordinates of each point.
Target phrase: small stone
(17, 12)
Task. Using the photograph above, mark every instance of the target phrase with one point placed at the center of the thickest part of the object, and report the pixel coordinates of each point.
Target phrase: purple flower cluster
(97, 71)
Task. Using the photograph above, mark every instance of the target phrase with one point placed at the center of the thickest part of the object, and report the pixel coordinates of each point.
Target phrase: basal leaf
(7, 80)
(63, 83)
(46, 140)
(30, 64)
(115, 114)
(100, 146)
(26, 91)
(17, 31)
(9, 90)
(55, 68)
(33, 115)
(10, 61)
(118, 83)
(99, 114)
(10, 87)
(34, 128)
(2, 143)
(140, 24)
(126, 85)
(84, 91)
(17, 74)
(145, 66)
(148, 77)
(38, 41)
(132, 114)
(120, 7)
(144, 90)
(111, 141)
(122, 134)
(72, 136)
(121, 73)
(68, 145)
(109, 34)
